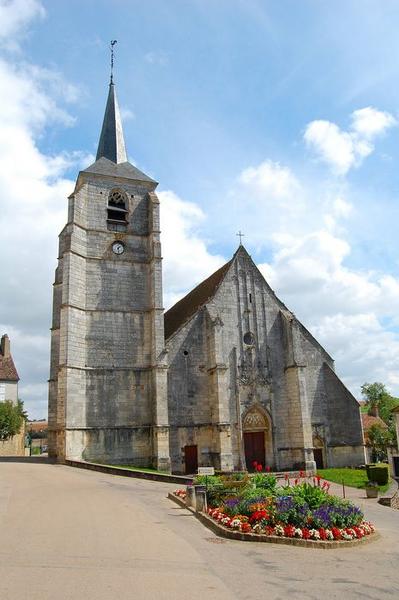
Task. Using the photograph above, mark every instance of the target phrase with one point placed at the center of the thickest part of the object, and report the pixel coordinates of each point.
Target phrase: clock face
(118, 248)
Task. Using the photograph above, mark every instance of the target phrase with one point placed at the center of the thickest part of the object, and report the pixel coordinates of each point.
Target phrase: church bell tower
(107, 387)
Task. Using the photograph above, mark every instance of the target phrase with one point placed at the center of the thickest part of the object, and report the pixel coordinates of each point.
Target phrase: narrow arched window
(117, 211)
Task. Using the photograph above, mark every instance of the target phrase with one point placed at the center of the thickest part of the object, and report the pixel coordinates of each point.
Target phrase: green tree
(379, 440)
(12, 417)
(373, 394)
(377, 397)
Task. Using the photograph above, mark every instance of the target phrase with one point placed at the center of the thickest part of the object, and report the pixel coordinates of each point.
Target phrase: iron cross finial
(240, 235)
(113, 42)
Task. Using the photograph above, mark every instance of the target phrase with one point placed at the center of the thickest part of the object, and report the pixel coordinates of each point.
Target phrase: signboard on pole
(206, 470)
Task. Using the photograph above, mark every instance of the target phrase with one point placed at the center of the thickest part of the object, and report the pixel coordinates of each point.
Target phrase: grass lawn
(141, 469)
(352, 477)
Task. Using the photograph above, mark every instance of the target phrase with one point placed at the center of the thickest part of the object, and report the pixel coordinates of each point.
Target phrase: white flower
(314, 534)
(329, 534)
(298, 532)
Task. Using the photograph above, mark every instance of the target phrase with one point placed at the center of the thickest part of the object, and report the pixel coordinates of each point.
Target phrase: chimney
(373, 411)
(5, 346)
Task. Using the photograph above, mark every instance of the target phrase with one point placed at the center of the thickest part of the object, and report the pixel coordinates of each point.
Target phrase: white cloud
(343, 308)
(15, 15)
(187, 260)
(343, 150)
(271, 179)
(369, 122)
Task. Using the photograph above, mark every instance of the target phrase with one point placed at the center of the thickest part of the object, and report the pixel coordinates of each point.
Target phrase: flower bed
(255, 524)
(301, 509)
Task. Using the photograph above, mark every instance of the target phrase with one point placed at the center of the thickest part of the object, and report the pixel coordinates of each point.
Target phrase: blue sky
(279, 118)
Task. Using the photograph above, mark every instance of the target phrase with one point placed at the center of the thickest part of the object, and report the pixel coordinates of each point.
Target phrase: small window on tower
(117, 211)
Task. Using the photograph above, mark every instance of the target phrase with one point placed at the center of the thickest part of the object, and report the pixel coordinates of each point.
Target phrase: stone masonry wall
(103, 327)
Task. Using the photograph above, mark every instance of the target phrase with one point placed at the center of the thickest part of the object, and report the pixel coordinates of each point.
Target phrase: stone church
(226, 377)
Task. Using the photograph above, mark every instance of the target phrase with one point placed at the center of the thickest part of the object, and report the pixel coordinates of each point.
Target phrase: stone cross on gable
(240, 235)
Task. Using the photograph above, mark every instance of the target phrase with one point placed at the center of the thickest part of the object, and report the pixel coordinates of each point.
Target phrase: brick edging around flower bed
(273, 539)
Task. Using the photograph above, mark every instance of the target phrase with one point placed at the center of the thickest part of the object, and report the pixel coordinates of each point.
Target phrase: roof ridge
(186, 307)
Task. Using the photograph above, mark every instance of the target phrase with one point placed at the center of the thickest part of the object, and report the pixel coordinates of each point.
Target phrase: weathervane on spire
(240, 235)
(113, 42)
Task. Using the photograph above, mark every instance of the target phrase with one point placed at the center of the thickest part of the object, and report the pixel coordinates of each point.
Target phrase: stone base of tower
(116, 445)
(56, 444)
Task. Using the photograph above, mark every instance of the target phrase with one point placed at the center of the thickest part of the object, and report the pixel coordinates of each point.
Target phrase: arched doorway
(257, 438)
(319, 452)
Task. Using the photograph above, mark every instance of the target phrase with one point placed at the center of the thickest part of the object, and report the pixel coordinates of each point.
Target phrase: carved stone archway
(257, 437)
(319, 451)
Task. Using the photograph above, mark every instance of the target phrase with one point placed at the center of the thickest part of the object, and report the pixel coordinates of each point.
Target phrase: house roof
(183, 310)
(369, 420)
(8, 372)
(37, 426)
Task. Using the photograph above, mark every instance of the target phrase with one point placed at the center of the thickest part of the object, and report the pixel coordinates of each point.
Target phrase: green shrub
(378, 473)
(368, 469)
(313, 496)
(210, 481)
(264, 481)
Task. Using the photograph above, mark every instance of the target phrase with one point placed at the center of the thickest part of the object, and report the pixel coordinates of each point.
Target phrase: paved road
(72, 534)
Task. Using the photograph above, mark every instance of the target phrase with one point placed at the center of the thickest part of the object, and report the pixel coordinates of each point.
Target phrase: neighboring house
(9, 391)
(395, 456)
(226, 377)
(368, 421)
(38, 434)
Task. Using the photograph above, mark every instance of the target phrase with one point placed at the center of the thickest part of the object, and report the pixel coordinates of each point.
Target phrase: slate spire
(112, 143)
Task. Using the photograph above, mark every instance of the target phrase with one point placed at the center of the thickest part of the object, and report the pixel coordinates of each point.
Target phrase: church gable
(187, 307)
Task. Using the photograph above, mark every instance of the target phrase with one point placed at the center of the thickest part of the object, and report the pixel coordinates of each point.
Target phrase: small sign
(206, 470)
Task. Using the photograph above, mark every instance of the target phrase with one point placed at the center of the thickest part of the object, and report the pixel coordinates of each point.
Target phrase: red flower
(289, 531)
(305, 533)
(269, 530)
(301, 473)
(336, 533)
(246, 527)
(254, 464)
(258, 515)
(322, 533)
(259, 467)
(267, 469)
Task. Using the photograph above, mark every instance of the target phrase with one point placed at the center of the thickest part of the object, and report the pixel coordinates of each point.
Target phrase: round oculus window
(249, 338)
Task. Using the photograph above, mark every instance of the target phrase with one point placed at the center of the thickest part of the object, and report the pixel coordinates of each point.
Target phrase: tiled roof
(104, 166)
(369, 420)
(181, 312)
(8, 372)
(37, 426)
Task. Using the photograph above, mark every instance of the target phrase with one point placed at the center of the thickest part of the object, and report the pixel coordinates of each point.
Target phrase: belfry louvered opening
(117, 211)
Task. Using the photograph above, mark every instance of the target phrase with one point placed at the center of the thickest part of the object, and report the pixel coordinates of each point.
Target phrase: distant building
(9, 391)
(38, 434)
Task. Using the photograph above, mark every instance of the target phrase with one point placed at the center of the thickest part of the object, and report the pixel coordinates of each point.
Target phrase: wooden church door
(191, 459)
(254, 444)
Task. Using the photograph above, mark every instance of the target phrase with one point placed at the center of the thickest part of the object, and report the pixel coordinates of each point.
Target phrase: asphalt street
(72, 534)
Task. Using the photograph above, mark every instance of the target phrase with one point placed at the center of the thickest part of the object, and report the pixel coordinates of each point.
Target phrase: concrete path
(72, 534)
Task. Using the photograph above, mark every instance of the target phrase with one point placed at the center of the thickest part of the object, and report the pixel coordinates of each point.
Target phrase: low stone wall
(15, 446)
(165, 478)
(256, 537)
